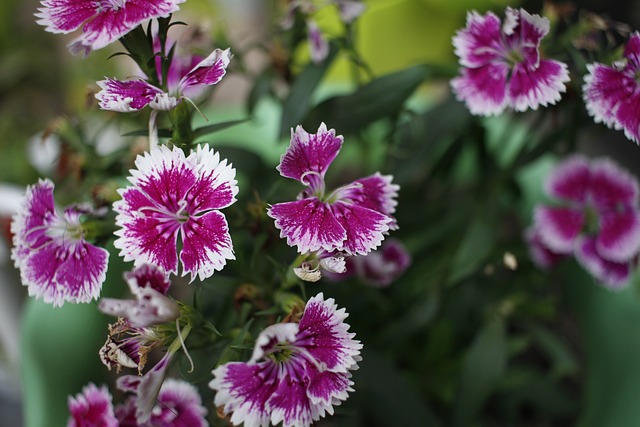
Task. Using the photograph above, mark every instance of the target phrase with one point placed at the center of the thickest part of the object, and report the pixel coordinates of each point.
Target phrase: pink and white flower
(93, 407)
(178, 404)
(612, 93)
(102, 21)
(49, 248)
(501, 64)
(297, 373)
(352, 219)
(176, 197)
(152, 306)
(133, 95)
(598, 221)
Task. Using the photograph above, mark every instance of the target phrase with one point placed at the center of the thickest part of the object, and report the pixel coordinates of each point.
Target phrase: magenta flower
(178, 404)
(93, 407)
(102, 21)
(55, 261)
(540, 254)
(297, 371)
(501, 64)
(350, 219)
(149, 285)
(133, 95)
(612, 94)
(176, 196)
(599, 220)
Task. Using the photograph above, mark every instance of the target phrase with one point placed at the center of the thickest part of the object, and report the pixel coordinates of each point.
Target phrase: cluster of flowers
(501, 67)
(169, 223)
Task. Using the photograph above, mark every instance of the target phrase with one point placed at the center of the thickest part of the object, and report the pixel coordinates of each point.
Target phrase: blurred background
(42, 85)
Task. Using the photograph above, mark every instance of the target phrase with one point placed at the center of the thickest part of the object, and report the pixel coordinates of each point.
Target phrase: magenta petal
(530, 87)
(93, 407)
(328, 387)
(244, 389)
(612, 274)
(216, 186)
(483, 89)
(179, 404)
(627, 116)
(570, 180)
(365, 227)
(148, 276)
(477, 44)
(207, 245)
(126, 96)
(324, 334)
(308, 224)
(65, 16)
(146, 236)
(290, 405)
(208, 72)
(318, 44)
(612, 187)
(309, 153)
(619, 236)
(558, 228)
(374, 192)
(540, 254)
(530, 29)
(605, 88)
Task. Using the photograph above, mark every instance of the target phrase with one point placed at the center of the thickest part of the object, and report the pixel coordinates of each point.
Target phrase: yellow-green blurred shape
(396, 34)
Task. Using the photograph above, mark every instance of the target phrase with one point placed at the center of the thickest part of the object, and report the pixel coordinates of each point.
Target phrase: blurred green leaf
(206, 130)
(483, 366)
(380, 98)
(297, 104)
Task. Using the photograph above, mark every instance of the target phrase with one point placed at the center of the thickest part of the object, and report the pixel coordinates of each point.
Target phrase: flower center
(591, 221)
(514, 57)
(281, 352)
(61, 230)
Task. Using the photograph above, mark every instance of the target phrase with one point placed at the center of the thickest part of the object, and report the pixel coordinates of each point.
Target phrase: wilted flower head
(93, 407)
(297, 372)
(149, 284)
(133, 95)
(103, 21)
(598, 220)
(501, 64)
(174, 197)
(55, 261)
(128, 346)
(612, 93)
(351, 219)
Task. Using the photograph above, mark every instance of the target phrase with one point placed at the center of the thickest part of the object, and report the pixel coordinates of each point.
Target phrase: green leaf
(206, 130)
(297, 104)
(237, 345)
(483, 367)
(380, 98)
(162, 133)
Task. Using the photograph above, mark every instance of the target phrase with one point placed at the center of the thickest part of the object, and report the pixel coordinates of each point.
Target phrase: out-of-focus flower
(44, 151)
(351, 219)
(501, 64)
(176, 196)
(598, 221)
(149, 285)
(56, 263)
(349, 10)
(178, 404)
(133, 95)
(297, 372)
(540, 254)
(612, 94)
(102, 22)
(93, 407)
(378, 268)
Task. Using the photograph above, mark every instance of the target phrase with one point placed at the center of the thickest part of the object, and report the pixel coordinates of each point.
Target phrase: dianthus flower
(171, 196)
(178, 404)
(612, 94)
(501, 64)
(93, 407)
(149, 285)
(351, 219)
(102, 21)
(133, 95)
(599, 220)
(297, 372)
(55, 261)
